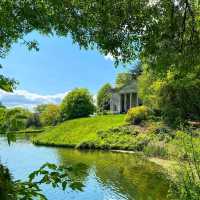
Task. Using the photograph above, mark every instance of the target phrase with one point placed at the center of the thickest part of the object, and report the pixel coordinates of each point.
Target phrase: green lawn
(153, 138)
(73, 132)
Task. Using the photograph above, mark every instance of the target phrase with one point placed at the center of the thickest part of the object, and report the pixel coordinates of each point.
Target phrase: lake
(109, 176)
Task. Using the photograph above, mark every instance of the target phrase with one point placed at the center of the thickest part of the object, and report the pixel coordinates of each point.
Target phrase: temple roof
(131, 86)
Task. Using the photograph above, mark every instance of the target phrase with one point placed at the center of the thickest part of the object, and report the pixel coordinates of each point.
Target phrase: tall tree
(16, 119)
(77, 103)
(103, 97)
(50, 116)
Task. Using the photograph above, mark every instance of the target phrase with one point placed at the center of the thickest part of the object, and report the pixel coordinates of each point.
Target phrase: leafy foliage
(132, 74)
(50, 115)
(103, 98)
(165, 34)
(179, 98)
(40, 108)
(187, 184)
(2, 119)
(136, 114)
(51, 174)
(13, 119)
(176, 96)
(122, 79)
(148, 88)
(77, 103)
(33, 121)
(6, 186)
(7, 84)
(136, 70)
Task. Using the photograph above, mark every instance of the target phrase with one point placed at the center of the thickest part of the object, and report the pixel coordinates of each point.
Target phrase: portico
(124, 98)
(127, 101)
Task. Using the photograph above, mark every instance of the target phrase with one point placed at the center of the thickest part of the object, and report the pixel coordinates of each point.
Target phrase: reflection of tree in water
(128, 174)
(70, 157)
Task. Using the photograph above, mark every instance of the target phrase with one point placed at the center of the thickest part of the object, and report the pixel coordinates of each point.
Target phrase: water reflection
(129, 175)
(109, 176)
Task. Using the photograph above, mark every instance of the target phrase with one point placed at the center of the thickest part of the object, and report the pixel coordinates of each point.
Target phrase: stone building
(124, 98)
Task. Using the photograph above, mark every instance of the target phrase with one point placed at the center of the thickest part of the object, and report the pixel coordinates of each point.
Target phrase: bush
(137, 114)
(77, 103)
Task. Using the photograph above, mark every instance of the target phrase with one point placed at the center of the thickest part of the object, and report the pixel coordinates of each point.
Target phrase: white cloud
(28, 99)
(109, 57)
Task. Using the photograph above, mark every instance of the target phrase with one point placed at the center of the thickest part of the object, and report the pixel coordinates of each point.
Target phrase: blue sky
(57, 68)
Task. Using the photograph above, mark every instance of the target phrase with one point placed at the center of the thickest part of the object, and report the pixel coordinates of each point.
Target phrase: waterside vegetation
(153, 138)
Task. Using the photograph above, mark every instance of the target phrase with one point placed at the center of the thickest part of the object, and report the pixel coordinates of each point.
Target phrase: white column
(125, 102)
(120, 103)
(137, 101)
(130, 100)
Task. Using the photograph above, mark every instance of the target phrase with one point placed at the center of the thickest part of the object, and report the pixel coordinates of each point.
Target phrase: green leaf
(64, 185)
(76, 186)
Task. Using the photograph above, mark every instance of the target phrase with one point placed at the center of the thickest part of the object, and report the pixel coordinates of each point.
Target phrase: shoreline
(170, 166)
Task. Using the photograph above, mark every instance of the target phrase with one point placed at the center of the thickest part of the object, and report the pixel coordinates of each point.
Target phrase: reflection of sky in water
(110, 176)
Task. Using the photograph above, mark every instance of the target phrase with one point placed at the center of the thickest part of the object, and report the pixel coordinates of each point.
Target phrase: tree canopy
(164, 34)
(176, 96)
(13, 119)
(77, 103)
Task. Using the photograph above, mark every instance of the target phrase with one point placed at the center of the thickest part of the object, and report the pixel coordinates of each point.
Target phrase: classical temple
(124, 98)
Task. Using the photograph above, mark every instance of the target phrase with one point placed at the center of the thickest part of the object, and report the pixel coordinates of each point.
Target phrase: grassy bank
(153, 138)
(74, 132)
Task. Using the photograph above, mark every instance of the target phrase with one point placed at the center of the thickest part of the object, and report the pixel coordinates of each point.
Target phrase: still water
(110, 176)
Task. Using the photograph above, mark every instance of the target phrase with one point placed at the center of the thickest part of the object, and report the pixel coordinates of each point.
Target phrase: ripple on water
(110, 176)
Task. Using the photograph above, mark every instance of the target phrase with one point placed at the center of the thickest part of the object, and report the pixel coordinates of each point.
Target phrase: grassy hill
(73, 132)
(153, 138)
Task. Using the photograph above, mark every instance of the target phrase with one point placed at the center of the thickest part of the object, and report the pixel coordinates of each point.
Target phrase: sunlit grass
(73, 132)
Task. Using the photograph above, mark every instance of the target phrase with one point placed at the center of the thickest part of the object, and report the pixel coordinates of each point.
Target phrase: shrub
(137, 114)
(77, 103)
